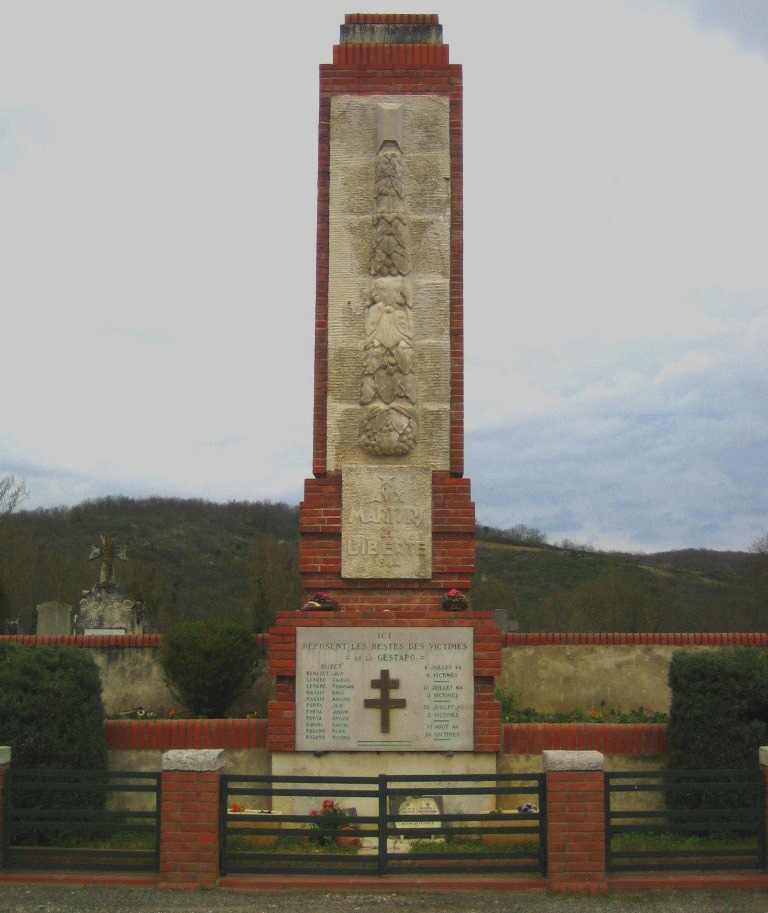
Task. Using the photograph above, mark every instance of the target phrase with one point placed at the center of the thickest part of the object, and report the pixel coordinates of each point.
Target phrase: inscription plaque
(384, 688)
(386, 528)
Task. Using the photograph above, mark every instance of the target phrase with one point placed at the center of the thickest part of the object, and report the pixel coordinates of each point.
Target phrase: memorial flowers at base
(319, 601)
(455, 600)
(330, 817)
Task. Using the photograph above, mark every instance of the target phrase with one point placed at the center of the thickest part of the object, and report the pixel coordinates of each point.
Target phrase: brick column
(189, 818)
(5, 763)
(575, 821)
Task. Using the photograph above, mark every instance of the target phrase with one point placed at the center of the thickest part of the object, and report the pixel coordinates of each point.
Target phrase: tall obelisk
(378, 660)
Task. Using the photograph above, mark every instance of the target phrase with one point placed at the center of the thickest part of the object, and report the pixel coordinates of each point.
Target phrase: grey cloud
(672, 465)
(745, 21)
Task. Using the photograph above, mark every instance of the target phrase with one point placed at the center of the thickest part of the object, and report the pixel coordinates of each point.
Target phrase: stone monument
(54, 617)
(381, 661)
(105, 608)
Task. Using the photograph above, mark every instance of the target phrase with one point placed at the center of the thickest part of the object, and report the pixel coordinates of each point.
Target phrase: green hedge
(208, 664)
(51, 713)
(52, 716)
(718, 718)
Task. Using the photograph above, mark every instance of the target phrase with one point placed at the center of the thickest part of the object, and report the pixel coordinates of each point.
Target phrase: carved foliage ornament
(388, 385)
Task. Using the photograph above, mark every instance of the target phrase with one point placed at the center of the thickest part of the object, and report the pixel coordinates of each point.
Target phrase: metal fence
(383, 825)
(81, 819)
(685, 819)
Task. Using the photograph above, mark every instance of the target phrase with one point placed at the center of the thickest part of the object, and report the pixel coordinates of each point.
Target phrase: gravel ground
(60, 899)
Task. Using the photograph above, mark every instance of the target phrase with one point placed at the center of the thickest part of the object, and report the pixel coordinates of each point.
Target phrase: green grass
(671, 843)
(512, 713)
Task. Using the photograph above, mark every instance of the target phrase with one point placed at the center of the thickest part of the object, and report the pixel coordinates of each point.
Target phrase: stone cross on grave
(107, 551)
(385, 703)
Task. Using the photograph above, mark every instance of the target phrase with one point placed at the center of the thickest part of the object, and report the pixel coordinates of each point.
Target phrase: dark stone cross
(385, 703)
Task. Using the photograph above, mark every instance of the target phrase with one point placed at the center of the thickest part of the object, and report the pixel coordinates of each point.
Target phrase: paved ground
(22, 898)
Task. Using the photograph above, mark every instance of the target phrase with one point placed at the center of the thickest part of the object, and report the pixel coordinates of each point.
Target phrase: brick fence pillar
(189, 818)
(5, 763)
(575, 821)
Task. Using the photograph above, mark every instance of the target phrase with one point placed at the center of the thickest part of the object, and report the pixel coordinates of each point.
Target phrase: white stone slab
(386, 526)
(344, 675)
(193, 759)
(572, 760)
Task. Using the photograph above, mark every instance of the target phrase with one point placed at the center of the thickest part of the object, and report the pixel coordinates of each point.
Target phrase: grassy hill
(192, 558)
(546, 588)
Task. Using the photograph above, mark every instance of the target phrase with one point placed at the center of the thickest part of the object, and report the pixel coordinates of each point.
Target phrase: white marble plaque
(384, 689)
(386, 527)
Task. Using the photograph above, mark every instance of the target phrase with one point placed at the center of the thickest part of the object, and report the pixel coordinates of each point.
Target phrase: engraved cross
(385, 703)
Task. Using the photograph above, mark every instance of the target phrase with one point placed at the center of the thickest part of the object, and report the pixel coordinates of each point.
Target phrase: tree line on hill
(193, 559)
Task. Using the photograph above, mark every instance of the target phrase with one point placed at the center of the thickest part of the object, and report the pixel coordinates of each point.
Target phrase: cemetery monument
(382, 667)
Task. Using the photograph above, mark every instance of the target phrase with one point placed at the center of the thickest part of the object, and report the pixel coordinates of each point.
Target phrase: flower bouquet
(319, 602)
(454, 601)
(331, 819)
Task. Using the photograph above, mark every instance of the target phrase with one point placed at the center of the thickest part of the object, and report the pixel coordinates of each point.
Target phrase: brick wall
(163, 735)
(610, 739)
(453, 552)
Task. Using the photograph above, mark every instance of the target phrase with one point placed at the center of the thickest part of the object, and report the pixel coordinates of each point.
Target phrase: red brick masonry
(517, 738)
(189, 829)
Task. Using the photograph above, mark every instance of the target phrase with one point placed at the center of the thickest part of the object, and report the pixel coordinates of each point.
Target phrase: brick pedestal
(575, 821)
(189, 823)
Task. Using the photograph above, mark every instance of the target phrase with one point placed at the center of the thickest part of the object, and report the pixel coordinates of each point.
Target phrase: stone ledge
(201, 759)
(572, 760)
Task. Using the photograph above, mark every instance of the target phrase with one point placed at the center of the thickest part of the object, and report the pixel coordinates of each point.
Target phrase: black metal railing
(380, 832)
(685, 819)
(81, 819)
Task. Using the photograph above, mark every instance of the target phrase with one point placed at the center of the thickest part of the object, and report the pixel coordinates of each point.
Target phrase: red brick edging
(673, 639)
(164, 735)
(517, 738)
(608, 738)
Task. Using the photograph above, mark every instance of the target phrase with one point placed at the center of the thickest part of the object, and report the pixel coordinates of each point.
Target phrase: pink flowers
(454, 600)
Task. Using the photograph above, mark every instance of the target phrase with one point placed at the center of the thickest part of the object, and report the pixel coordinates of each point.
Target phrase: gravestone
(378, 663)
(54, 618)
(106, 608)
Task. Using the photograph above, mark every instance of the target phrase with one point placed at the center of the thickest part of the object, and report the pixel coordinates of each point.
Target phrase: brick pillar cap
(573, 760)
(193, 759)
(5, 754)
(763, 755)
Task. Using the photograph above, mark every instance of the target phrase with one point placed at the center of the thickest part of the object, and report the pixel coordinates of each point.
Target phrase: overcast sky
(157, 242)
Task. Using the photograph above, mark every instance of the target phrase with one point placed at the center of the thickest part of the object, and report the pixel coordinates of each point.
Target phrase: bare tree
(760, 545)
(12, 493)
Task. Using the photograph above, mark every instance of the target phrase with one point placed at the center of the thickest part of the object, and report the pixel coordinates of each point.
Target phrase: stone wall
(550, 672)
(556, 673)
(131, 676)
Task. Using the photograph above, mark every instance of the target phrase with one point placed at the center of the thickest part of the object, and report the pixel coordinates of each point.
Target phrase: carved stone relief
(388, 387)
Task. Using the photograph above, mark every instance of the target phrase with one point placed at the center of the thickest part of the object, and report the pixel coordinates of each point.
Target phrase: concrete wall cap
(763, 754)
(193, 759)
(5, 754)
(573, 760)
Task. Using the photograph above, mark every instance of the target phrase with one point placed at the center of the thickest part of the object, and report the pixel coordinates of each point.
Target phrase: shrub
(719, 714)
(208, 664)
(51, 713)
(52, 716)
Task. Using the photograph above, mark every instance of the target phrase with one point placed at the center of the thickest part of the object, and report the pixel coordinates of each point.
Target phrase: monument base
(371, 764)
